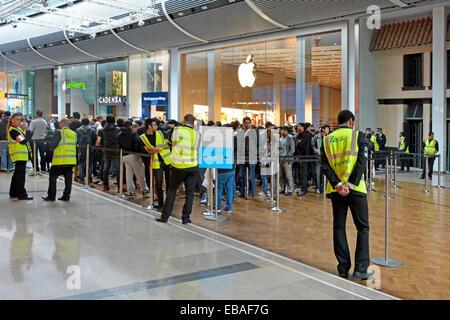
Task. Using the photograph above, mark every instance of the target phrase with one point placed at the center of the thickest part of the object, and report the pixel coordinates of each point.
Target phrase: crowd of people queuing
(138, 138)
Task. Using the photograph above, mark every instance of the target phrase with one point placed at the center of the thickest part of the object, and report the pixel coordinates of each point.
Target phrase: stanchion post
(391, 157)
(34, 158)
(426, 191)
(121, 174)
(87, 166)
(277, 207)
(216, 216)
(371, 175)
(272, 182)
(388, 170)
(325, 185)
(439, 173)
(210, 209)
(395, 186)
(247, 180)
(150, 207)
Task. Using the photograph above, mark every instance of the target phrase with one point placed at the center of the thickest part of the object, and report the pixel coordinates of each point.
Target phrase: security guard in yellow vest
(64, 146)
(19, 151)
(185, 142)
(430, 149)
(344, 159)
(403, 146)
(376, 153)
(151, 140)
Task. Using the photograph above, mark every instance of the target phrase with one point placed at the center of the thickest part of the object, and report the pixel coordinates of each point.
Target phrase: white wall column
(277, 95)
(211, 100)
(135, 87)
(300, 87)
(352, 48)
(174, 85)
(61, 94)
(439, 107)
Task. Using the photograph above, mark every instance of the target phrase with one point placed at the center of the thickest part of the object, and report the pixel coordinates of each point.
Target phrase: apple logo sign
(246, 73)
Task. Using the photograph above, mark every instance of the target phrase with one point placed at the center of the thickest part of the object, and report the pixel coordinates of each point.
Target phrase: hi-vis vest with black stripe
(185, 142)
(17, 151)
(430, 147)
(403, 145)
(160, 142)
(65, 154)
(341, 149)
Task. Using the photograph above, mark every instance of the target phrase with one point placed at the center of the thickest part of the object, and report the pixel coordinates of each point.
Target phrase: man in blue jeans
(249, 146)
(6, 164)
(226, 182)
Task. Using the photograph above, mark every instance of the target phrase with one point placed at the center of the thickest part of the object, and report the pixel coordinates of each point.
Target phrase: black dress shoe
(26, 198)
(422, 177)
(302, 193)
(186, 221)
(363, 275)
(343, 275)
(64, 198)
(161, 220)
(46, 198)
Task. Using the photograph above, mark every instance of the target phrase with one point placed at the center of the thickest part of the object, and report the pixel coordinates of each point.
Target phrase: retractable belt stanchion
(277, 190)
(216, 216)
(392, 168)
(371, 174)
(426, 191)
(150, 206)
(395, 186)
(386, 261)
(388, 169)
(121, 174)
(36, 173)
(439, 173)
(86, 171)
(272, 182)
(325, 184)
(247, 180)
(210, 210)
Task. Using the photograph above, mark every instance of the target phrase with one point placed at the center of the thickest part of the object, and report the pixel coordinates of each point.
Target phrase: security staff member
(154, 138)
(19, 151)
(403, 146)
(430, 149)
(344, 158)
(64, 145)
(185, 142)
(376, 153)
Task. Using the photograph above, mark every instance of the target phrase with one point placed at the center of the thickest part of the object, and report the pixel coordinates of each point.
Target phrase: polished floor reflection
(112, 249)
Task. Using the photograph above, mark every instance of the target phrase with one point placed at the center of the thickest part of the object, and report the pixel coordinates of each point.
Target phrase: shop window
(413, 72)
(414, 112)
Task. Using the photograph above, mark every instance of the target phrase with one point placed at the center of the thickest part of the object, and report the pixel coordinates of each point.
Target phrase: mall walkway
(123, 253)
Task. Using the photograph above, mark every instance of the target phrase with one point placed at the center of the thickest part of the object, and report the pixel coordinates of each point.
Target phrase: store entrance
(414, 134)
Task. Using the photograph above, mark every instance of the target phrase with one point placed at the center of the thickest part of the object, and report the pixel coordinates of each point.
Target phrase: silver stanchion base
(207, 213)
(216, 218)
(440, 187)
(276, 209)
(390, 196)
(396, 187)
(270, 199)
(148, 207)
(391, 263)
(426, 191)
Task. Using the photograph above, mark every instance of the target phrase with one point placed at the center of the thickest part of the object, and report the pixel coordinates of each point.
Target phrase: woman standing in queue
(19, 150)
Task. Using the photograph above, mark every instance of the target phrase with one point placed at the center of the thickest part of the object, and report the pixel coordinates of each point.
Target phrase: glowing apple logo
(247, 73)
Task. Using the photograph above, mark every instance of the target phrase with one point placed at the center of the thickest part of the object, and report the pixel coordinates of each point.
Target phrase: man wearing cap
(381, 141)
(430, 149)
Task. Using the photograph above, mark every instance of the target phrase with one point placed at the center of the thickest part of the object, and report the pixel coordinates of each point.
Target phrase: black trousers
(304, 173)
(17, 188)
(404, 162)
(189, 177)
(40, 147)
(55, 172)
(357, 203)
(430, 167)
(159, 174)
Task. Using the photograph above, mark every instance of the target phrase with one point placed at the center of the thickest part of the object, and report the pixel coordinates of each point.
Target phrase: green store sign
(74, 84)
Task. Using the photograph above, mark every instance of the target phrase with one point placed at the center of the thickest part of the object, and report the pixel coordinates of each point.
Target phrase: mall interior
(387, 61)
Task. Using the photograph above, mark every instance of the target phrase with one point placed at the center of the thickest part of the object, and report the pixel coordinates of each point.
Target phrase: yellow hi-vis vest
(17, 151)
(65, 153)
(402, 145)
(160, 142)
(341, 149)
(430, 147)
(374, 141)
(185, 147)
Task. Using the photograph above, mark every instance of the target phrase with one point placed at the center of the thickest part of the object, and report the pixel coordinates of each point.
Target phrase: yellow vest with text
(374, 140)
(17, 151)
(160, 142)
(430, 147)
(65, 154)
(185, 147)
(402, 145)
(341, 149)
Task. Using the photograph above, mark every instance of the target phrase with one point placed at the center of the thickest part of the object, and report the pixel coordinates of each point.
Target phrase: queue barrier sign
(216, 148)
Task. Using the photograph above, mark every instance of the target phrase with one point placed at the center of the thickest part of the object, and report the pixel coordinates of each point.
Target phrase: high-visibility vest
(185, 147)
(18, 151)
(402, 145)
(430, 147)
(160, 142)
(341, 149)
(65, 154)
(374, 141)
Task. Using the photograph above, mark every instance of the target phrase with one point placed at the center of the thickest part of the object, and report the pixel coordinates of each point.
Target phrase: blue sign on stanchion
(216, 148)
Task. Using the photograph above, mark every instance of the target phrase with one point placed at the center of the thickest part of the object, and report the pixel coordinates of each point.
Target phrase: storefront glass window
(112, 88)
(262, 81)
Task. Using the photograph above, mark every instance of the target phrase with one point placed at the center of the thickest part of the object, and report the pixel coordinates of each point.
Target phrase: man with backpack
(86, 136)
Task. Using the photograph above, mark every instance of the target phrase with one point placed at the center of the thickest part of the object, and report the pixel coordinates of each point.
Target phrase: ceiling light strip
(4, 57)
(127, 43)
(163, 4)
(258, 11)
(79, 49)
(40, 54)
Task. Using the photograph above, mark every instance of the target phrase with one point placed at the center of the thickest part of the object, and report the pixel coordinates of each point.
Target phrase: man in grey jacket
(317, 145)
(38, 129)
(287, 149)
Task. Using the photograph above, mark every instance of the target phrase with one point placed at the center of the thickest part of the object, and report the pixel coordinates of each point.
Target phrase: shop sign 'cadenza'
(112, 100)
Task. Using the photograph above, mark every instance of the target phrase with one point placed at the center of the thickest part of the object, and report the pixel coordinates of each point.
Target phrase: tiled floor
(122, 253)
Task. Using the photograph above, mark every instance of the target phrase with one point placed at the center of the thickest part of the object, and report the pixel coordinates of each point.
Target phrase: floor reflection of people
(65, 238)
(21, 257)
